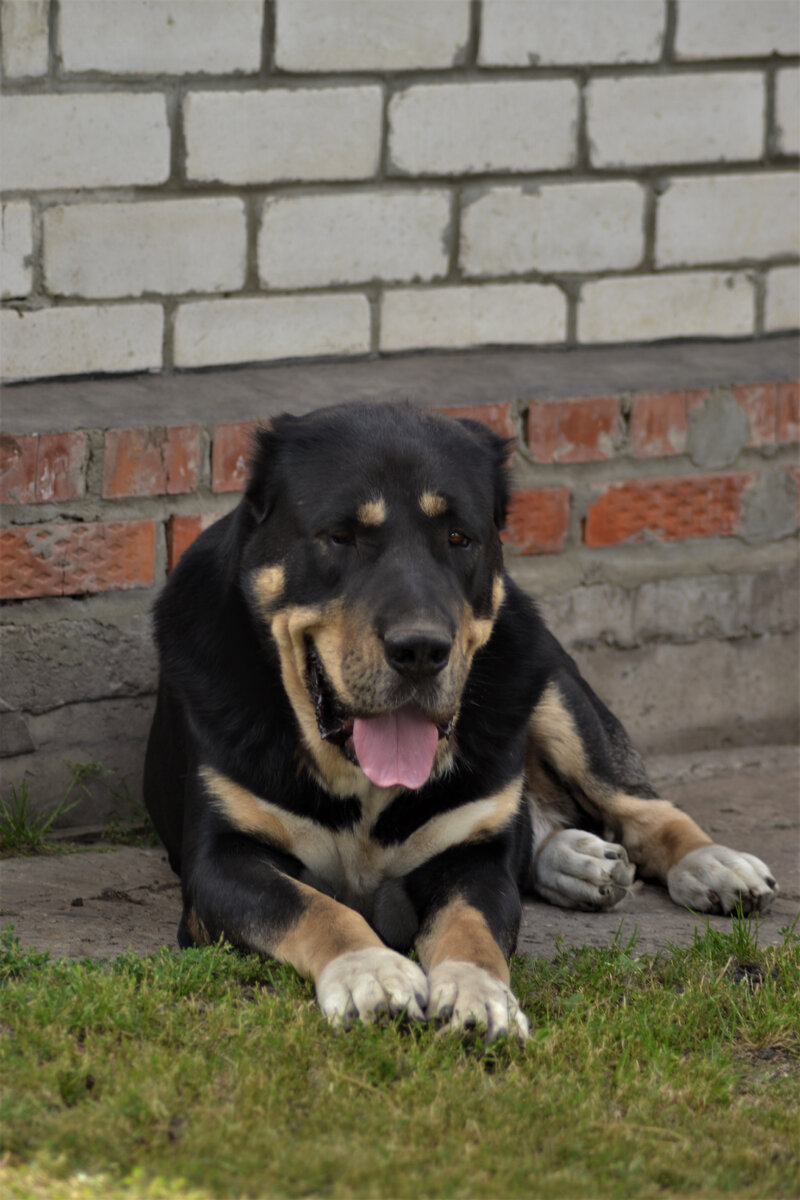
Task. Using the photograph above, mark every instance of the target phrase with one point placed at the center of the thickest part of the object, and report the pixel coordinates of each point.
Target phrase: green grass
(212, 1074)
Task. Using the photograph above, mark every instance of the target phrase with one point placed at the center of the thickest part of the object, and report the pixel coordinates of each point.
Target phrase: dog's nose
(417, 652)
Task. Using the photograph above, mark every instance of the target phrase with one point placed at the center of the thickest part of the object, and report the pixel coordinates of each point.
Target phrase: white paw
(463, 995)
(715, 879)
(578, 870)
(364, 984)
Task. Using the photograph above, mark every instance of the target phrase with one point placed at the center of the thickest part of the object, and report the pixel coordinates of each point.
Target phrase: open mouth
(395, 747)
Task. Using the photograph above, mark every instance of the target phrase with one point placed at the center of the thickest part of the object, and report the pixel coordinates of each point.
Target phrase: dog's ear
(261, 488)
(500, 450)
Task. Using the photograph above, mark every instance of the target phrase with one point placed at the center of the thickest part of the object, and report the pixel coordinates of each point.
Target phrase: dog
(367, 741)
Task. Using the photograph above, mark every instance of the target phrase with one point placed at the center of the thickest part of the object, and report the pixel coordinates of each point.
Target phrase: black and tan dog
(367, 740)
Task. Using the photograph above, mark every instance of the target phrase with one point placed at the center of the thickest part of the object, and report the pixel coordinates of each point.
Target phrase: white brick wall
(456, 317)
(16, 249)
(736, 28)
(263, 137)
(23, 32)
(787, 106)
(81, 339)
(653, 307)
(521, 33)
(165, 246)
(783, 299)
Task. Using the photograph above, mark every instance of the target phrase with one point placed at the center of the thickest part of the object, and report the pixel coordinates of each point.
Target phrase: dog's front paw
(714, 879)
(578, 870)
(465, 996)
(365, 984)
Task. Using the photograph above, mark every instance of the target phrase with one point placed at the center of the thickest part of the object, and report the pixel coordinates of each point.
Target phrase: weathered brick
(676, 118)
(151, 462)
(23, 30)
(75, 559)
(563, 227)
(720, 218)
(538, 521)
(182, 531)
(18, 468)
(105, 250)
(459, 128)
(788, 422)
(210, 332)
(99, 139)
(209, 37)
(42, 467)
(499, 314)
(353, 237)
(564, 32)
(667, 509)
(759, 401)
(496, 416)
(263, 137)
(16, 250)
(80, 340)
(315, 35)
(732, 29)
(787, 110)
(660, 422)
(650, 308)
(571, 431)
(231, 450)
(783, 299)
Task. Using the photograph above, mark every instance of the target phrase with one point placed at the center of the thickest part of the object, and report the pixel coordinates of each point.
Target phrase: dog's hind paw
(465, 996)
(575, 869)
(714, 879)
(363, 985)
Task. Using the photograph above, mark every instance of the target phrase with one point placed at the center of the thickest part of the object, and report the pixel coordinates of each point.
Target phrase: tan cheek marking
(655, 833)
(372, 512)
(268, 585)
(432, 504)
(459, 933)
(325, 930)
(476, 631)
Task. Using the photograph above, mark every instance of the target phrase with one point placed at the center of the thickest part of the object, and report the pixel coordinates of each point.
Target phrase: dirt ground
(101, 901)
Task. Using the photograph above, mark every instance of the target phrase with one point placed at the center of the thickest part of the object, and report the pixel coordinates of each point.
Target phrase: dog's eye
(342, 537)
(456, 538)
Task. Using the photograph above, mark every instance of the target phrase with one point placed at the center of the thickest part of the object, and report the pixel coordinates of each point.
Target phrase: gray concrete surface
(102, 901)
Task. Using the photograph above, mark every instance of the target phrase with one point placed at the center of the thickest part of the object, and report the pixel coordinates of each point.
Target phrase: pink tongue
(396, 748)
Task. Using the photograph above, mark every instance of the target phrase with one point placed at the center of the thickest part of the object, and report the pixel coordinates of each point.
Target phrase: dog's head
(373, 558)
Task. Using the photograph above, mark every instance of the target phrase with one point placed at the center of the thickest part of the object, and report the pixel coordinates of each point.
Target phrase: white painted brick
(161, 37)
(442, 129)
(353, 237)
(16, 249)
(262, 137)
(211, 332)
(522, 33)
(787, 110)
(369, 35)
(81, 340)
(559, 227)
(87, 140)
(23, 26)
(489, 315)
(783, 299)
(736, 28)
(166, 246)
(724, 218)
(651, 308)
(716, 117)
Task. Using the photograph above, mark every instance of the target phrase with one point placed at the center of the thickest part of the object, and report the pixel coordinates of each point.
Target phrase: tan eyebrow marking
(372, 512)
(432, 504)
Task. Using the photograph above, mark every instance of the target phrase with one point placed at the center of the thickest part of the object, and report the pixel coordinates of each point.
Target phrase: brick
(230, 455)
(461, 128)
(566, 32)
(37, 468)
(787, 110)
(538, 521)
(759, 402)
(713, 117)
(264, 137)
(18, 468)
(107, 250)
(732, 29)
(571, 431)
(81, 340)
(108, 139)
(151, 462)
(211, 332)
(165, 37)
(782, 310)
(75, 559)
(182, 531)
(667, 509)
(315, 35)
(16, 250)
(653, 307)
(23, 26)
(720, 218)
(660, 422)
(353, 237)
(496, 416)
(500, 315)
(788, 421)
(564, 227)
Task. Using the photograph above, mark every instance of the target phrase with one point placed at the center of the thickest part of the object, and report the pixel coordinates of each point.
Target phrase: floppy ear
(260, 490)
(499, 449)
